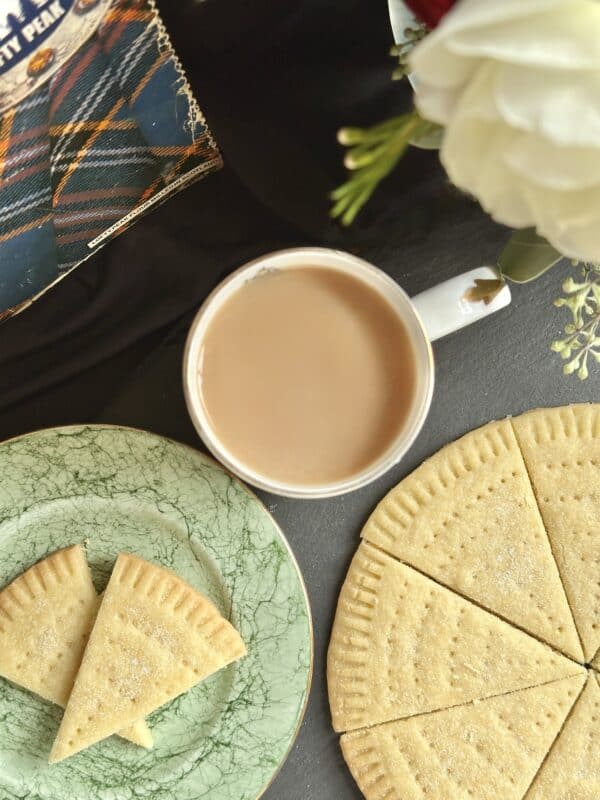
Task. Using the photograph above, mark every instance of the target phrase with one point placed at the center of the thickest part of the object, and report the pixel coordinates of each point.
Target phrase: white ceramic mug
(428, 316)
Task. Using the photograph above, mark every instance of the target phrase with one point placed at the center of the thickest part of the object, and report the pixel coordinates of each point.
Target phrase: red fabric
(430, 11)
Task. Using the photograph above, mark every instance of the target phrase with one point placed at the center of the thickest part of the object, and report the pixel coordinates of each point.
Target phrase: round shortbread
(463, 654)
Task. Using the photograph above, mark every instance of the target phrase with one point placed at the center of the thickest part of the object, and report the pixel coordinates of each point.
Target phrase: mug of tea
(309, 372)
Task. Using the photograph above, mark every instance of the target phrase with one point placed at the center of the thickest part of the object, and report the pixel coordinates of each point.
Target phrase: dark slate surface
(275, 83)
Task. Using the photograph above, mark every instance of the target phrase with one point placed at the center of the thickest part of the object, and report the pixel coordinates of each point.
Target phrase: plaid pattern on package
(103, 129)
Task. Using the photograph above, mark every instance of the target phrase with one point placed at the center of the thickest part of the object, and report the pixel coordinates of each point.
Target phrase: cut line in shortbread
(46, 615)
(467, 570)
(561, 448)
(403, 645)
(468, 518)
(154, 638)
(486, 750)
(578, 746)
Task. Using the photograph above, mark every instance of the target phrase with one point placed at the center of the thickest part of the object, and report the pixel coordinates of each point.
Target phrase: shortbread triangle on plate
(561, 447)
(402, 645)
(577, 745)
(468, 518)
(46, 615)
(154, 638)
(487, 750)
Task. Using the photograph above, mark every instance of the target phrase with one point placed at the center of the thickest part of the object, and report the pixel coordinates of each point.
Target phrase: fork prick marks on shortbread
(155, 637)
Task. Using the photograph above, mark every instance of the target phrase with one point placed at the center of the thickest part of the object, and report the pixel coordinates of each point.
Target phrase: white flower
(517, 85)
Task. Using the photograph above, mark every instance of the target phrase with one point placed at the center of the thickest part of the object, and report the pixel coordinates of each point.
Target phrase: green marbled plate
(115, 489)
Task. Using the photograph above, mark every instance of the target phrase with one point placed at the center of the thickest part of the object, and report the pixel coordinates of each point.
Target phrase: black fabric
(275, 80)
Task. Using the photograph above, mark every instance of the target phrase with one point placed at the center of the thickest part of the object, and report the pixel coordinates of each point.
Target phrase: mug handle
(444, 309)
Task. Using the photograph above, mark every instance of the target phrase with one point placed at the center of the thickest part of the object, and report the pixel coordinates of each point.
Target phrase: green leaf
(373, 154)
(527, 256)
(429, 137)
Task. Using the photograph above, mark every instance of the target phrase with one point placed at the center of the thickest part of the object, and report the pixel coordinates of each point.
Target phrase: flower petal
(472, 156)
(544, 164)
(517, 85)
(566, 208)
(561, 106)
(435, 104)
(431, 63)
(470, 14)
(432, 60)
(568, 38)
(569, 220)
(476, 100)
(580, 242)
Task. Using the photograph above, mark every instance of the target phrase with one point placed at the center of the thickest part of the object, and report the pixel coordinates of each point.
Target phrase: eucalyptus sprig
(582, 337)
(372, 154)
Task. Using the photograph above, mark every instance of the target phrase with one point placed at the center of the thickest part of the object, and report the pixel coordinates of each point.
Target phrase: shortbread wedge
(561, 447)
(46, 615)
(480, 751)
(596, 661)
(154, 638)
(403, 645)
(572, 769)
(468, 518)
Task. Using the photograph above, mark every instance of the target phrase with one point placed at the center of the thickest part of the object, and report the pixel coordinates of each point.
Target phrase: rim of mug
(312, 257)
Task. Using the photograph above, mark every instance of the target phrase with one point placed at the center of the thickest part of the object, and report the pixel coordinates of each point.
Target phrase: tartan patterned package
(97, 125)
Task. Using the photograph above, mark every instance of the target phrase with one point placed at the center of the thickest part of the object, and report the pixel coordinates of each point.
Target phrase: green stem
(378, 152)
